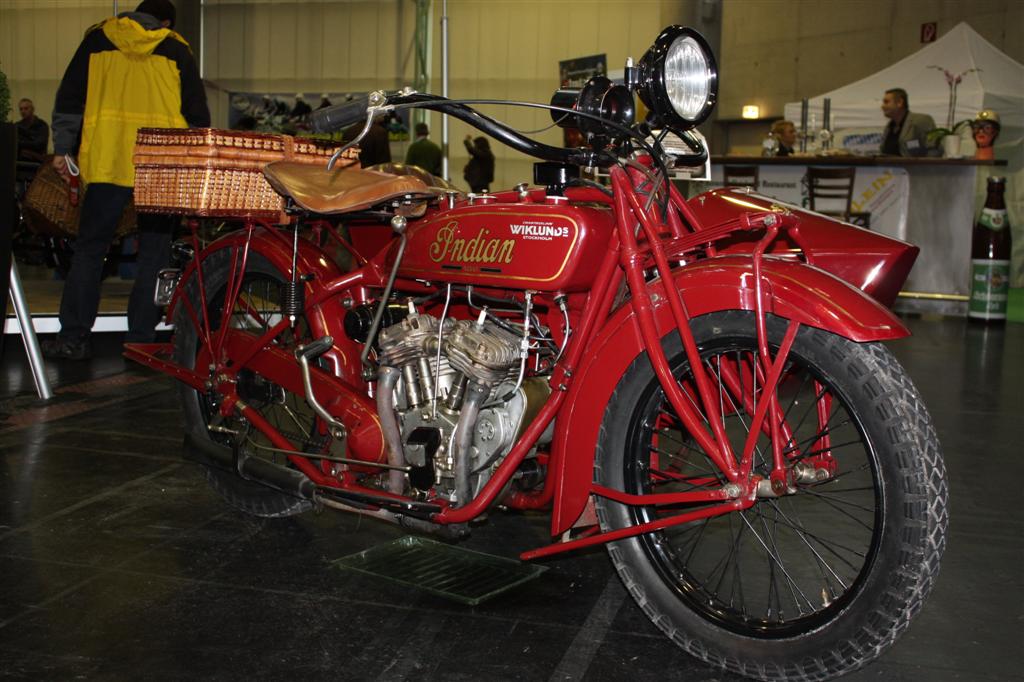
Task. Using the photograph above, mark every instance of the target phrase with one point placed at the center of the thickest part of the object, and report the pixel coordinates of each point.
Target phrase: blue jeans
(101, 211)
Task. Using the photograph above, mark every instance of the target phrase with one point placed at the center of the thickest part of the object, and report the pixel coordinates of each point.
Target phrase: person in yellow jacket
(131, 71)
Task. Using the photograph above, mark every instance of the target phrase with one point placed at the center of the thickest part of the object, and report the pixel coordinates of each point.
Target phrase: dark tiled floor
(117, 562)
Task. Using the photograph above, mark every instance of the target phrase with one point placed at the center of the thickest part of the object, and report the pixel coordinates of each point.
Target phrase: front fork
(702, 418)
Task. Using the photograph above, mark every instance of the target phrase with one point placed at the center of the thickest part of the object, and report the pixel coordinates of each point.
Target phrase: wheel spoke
(738, 411)
(794, 588)
(803, 535)
(837, 477)
(825, 496)
(812, 407)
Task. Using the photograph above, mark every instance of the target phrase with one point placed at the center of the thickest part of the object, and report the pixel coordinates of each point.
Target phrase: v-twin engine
(452, 401)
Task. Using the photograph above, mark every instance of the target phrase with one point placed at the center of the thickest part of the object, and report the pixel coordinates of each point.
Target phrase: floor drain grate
(453, 572)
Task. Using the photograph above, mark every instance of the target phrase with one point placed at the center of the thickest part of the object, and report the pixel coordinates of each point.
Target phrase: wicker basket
(49, 211)
(218, 173)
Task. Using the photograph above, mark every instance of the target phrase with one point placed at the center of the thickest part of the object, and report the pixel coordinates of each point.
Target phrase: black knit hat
(163, 10)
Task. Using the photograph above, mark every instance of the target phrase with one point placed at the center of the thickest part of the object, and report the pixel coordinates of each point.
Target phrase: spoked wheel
(257, 308)
(818, 575)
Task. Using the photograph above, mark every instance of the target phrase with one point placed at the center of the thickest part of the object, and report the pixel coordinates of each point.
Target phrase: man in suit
(905, 133)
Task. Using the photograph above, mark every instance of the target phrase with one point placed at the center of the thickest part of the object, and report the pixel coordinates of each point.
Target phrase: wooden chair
(740, 176)
(834, 186)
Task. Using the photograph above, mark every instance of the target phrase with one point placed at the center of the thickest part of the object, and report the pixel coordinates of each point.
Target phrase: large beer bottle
(990, 258)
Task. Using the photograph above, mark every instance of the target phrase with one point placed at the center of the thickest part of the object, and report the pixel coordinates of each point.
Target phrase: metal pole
(444, 89)
(804, 133)
(202, 39)
(28, 335)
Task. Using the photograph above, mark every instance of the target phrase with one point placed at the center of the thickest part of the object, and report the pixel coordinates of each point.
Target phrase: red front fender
(794, 291)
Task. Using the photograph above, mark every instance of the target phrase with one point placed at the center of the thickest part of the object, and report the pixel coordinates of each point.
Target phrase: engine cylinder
(484, 353)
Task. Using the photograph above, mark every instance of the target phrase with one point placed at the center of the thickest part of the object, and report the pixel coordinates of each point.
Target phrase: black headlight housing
(678, 79)
(599, 97)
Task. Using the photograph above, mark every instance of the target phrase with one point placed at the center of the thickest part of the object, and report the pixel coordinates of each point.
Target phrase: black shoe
(63, 349)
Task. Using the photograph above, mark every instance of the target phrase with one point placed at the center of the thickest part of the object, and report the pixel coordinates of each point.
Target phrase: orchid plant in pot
(948, 138)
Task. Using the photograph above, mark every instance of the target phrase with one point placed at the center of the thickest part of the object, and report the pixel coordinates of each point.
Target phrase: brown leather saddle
(343, 190)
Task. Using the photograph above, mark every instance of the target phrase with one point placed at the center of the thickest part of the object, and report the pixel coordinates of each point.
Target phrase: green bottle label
(990, 289)
(993, 218)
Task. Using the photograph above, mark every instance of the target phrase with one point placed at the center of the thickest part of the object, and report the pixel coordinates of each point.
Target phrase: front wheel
(807, 585)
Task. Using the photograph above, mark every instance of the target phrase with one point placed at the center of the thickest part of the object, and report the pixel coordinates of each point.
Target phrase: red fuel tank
(543, 247)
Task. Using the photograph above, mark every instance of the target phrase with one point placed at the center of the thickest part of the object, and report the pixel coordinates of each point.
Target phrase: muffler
(288, 481)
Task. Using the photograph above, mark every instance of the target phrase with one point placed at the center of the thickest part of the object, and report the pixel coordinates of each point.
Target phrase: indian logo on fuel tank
(480, 249)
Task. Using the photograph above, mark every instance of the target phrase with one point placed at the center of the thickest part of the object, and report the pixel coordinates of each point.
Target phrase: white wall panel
(309, 49)
(335, 41)
(37, 40)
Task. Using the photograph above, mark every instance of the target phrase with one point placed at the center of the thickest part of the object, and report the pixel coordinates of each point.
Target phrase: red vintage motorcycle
(699, 384)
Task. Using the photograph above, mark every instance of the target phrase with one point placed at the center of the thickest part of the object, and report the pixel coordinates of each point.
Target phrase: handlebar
(339, 116)
(503, 133)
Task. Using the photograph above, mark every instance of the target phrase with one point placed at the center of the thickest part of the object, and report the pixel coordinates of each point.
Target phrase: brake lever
(377, 103)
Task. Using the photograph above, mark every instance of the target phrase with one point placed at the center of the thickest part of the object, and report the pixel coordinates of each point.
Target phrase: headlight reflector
(687, 78)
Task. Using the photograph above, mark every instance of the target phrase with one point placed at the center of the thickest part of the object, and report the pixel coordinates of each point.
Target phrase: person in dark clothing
(136, 66)
(479, 172)
(301, 107)
(375, 148)
(423, 152)
(33, 133)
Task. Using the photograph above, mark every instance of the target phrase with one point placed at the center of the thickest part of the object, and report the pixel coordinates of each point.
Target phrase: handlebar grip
(338, 116)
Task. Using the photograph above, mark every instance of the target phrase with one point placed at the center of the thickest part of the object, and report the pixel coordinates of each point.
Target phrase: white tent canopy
(989, 80)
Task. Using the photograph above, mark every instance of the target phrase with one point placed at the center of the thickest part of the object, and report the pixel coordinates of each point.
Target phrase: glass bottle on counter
(990, 259)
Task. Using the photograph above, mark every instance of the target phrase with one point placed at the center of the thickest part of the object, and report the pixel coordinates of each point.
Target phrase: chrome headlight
(678, 78)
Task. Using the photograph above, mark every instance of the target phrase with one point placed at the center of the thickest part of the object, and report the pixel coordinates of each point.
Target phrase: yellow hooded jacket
(125, 76)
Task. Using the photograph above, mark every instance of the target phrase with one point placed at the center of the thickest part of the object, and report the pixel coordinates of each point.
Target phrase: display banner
(284, 113)
(880, 195)
(858, 140)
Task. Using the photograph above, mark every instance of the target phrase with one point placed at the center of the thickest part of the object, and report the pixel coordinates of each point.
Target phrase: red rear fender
(312, 259)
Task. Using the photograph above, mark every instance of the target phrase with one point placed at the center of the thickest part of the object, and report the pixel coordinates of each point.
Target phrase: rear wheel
(257, 308)
(805, 586)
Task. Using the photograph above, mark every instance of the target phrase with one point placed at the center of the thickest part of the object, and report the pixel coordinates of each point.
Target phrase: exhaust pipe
(476, 396)
(206, 452)
(288, 481)
(387, 379)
